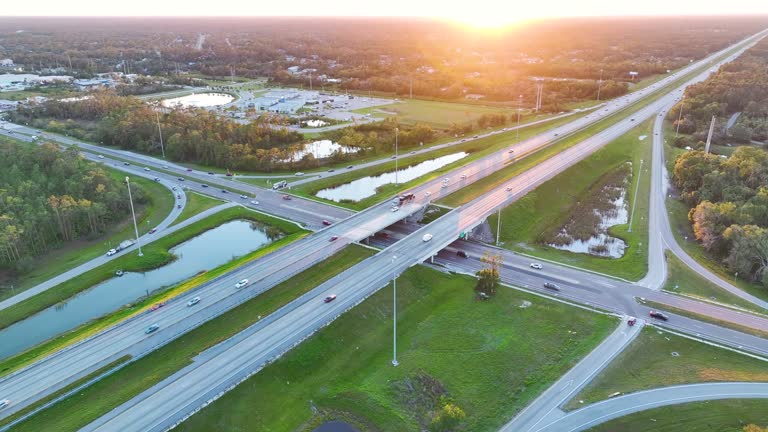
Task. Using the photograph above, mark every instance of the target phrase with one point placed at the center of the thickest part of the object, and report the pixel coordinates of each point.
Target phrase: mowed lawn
(436, 114)
(660, 359)
(490, 358)
(709, 416)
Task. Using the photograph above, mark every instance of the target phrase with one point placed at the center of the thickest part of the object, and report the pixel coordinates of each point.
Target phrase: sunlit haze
(482, 13)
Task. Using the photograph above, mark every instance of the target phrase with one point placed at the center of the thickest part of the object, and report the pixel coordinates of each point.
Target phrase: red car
(330, 298)
(157, 306)
(334, 238)
(189, 169)
(229, 174)
(326, 223)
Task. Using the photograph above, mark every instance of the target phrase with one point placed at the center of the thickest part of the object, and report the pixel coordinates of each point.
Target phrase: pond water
(199, 100)
(366, 186)
(204, 252)
(322, 149)
(603, 244)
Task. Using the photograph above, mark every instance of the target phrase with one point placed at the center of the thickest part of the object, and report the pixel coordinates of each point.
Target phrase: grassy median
(660, 359)
(489, 358)
(196, 203)
(89, 404)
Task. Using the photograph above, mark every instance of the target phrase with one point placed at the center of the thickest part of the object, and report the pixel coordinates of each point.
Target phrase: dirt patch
(713, 374)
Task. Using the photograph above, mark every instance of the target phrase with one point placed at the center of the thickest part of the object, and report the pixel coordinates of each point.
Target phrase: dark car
(189, 169)
(224, 191)
(658, 315)
(551, 286)
(326, 223)
(461, 253)
(286, 197)
(204, 185)
(126, 163)
(210, 173)
(330, 298)
(334, 238)
(349, 167)
(180, 178)
(157, 306)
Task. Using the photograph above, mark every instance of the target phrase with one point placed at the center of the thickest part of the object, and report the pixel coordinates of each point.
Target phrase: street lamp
(396, 182)
(519, 105)
(394, 313)
(679, 116)
(599, 85)
(160, 131)
(135, 226)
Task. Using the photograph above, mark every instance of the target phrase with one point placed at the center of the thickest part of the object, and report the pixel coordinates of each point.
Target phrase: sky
(481, 13)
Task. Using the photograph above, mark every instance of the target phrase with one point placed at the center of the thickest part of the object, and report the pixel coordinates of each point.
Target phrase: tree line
(729, 207)
(50, 196)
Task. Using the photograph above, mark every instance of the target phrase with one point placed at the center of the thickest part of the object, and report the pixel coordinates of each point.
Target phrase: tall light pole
(498, 226)
(519, 105)
(599, 85)
(394, 314)
(135, 226)
(679, 116)
(160, 131)
(396, 182)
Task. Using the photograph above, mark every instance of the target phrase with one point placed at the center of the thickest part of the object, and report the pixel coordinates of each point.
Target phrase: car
(157, 306)
(126, 163)
(173, 188)
(551, 286)
(330, 298)
(242, 283)
(153, 230)
(4, 403)
(334, 238)
(475, 136)
(509, 188)
(178, 206)
(511, 151)
(394, 209)
(631, 322)
(299, 174)
(326, 223)
(101, 156)
(146, 168)
(180, 178)
(165, 166)
(210, 173)
(193, 302)
(331, 170)
(224, 191)
(461, 254)
(151, 329)
(229, 174)
(111, 252)
(203, 185)
(463, 176)
(255, 202)
(427, 237)
(413, 152)
(287, 197)
(350, 167)
(556, 134)
(536, 266)
(189, 169)
(427, 194)
(243, 197)
(658, 315)
(394, 157)
(631, 119)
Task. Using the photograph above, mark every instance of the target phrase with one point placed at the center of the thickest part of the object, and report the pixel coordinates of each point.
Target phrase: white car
(111, 252)
(146, 169)
(101, 156)
(427, 237)
(427, 194)
(537, 266)
(394, 209)
(241, 284)
(4, 403)
(255, 202)
(194, 301)
(243, 197)
(299, 174)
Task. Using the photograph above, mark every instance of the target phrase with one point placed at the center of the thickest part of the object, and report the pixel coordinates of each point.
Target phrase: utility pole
(160, 131)
(599, 85)
(709, 136)
(679, 116)
(135, 226)
(396, 182)
(517, 131)
(394, 314)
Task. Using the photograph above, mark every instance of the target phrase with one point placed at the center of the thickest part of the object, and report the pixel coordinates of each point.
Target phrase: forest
(739, 86)
(50, 196)
(729, 207)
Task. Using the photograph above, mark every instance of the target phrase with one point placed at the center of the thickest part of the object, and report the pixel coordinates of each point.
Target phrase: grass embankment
(196, 203)
(476, 148)
(710, 416)
(569, 199)
(489, 358)
(89, 404)
(72, 254)
(706, 318)
(649, 362)
(682, 280)
(155, 254)
(683, 231)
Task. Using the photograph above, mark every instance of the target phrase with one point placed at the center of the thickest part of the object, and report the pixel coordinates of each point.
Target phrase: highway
(195, 386)
(606, 410)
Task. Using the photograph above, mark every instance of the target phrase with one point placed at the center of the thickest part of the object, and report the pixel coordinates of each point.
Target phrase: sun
(499, 17)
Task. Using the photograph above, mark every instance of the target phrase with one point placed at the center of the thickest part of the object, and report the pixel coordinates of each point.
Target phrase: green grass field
(552, 204)
(71, 255)
(435, 113)
(649, 363)
(490, 358)
(710, 416)
(155, 254)
(196, 203)
(77, 411)
(682, 280)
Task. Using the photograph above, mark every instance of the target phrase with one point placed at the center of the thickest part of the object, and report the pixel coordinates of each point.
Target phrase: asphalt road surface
(606, 410)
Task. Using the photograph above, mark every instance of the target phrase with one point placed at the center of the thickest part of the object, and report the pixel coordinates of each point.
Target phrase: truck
(279, 185)
(125, 244)
(405, 198)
